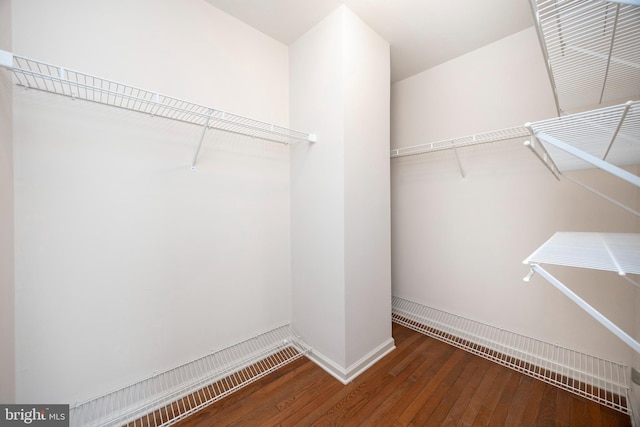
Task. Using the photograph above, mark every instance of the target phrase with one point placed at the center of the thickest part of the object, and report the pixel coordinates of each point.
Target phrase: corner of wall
(7, 277)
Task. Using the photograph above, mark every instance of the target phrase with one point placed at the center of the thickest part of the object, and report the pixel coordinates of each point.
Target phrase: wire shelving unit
(607, 138)
(171, 396)
(594, 378)
(460, 142)
(590, 49)
(34, 74)
(616, 252)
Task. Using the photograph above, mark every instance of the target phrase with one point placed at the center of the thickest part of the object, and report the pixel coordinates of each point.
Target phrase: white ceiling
(422, 33)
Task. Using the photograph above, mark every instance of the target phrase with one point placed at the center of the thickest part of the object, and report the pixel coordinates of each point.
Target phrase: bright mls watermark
(34, 415)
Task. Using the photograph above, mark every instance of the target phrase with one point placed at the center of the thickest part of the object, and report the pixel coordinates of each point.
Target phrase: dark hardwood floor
(424, 382)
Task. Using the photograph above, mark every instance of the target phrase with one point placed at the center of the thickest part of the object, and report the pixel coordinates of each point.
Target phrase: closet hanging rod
(34, 74)
(465, 141)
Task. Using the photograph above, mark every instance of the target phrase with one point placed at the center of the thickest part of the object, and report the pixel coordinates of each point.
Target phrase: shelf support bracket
(607, 167)
(604, 321)
(630, 280)
(455, 151)
(544, 157)
(613, 38)
(204, 130)
(615, 133)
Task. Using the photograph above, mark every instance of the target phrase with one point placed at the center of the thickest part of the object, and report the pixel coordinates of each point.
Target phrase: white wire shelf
(33, 74)
(611, 134)
(596, 379)
(591, 49)
(169, 397)
(606, 138)
(616, 252)
(465, 141)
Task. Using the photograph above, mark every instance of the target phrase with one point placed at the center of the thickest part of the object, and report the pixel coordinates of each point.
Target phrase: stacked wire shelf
(169, 397)
(591, 50)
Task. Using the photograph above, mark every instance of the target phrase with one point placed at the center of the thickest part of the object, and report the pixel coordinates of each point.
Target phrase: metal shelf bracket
(204, 131)
(603, 320)
(615, 252)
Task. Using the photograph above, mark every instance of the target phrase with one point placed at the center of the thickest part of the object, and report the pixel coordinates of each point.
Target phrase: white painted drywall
(458, 244)
(635, 388)
(340, 192)
(7, 281)
(500, 85)
(127, 262)
(367, 189)
(317, 188)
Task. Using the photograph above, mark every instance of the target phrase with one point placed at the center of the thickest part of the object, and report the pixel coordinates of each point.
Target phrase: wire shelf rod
(465, 141)
(34, 74)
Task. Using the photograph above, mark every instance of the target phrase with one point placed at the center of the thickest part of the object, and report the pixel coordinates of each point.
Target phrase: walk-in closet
(354, 212)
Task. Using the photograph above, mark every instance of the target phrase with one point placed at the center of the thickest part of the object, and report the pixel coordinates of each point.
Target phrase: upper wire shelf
(591, 50)
(607, 138)
(617, 252)
(465, 141)
(611, 134)
(46, 77)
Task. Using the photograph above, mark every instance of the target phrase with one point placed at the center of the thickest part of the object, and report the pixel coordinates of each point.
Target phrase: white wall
(501, 85)
(127, 262)
(635, 388)
(367, 189)
(458, 244)
(7, 281)
(340, 193)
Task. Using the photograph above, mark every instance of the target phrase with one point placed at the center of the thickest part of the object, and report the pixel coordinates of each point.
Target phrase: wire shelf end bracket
(6, 59)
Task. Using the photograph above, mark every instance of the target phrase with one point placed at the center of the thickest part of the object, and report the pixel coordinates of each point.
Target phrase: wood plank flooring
(424, 382)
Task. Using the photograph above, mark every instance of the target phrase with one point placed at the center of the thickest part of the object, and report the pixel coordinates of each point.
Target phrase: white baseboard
(346, 375)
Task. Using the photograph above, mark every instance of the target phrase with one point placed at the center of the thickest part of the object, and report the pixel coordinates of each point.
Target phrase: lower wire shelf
(616, 252)
(171, 396)
(596, 379)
